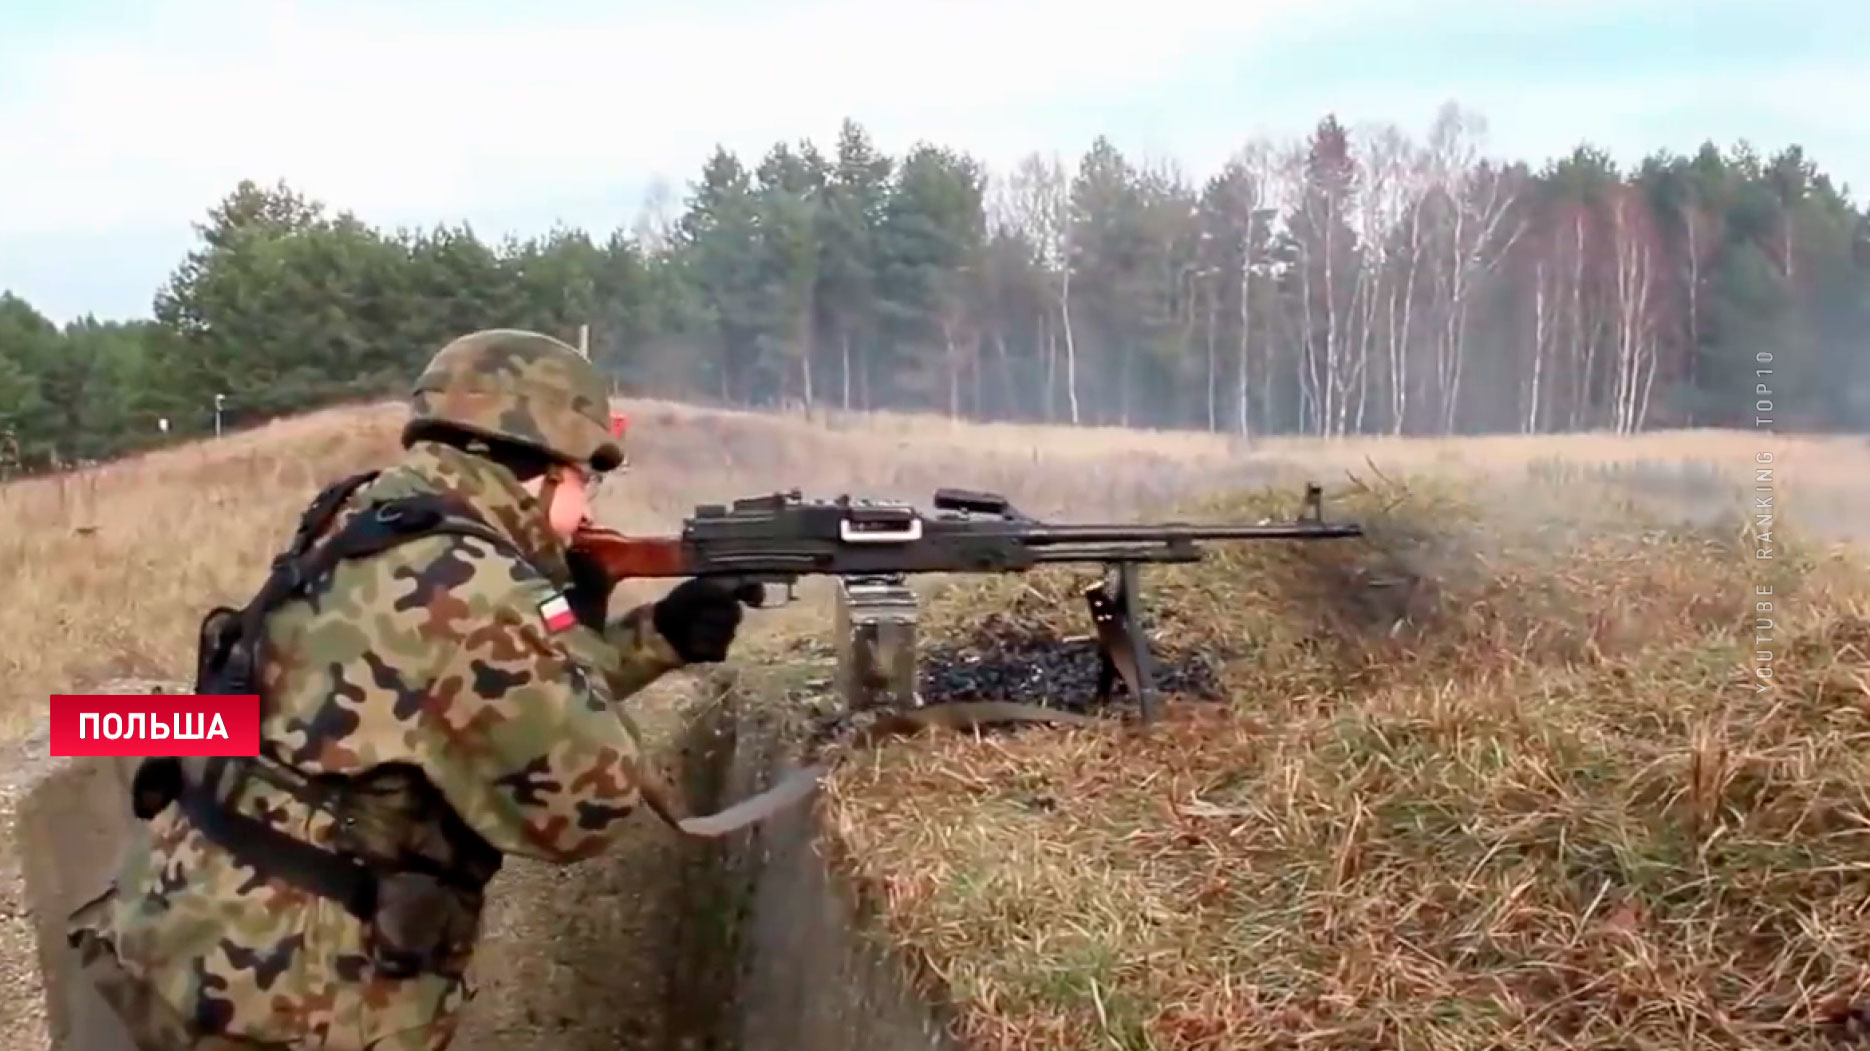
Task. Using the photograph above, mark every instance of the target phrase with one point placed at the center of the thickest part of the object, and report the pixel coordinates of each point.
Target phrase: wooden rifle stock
(623, 557)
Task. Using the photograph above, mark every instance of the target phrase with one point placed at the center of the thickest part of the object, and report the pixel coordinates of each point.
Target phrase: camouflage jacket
(434, 654)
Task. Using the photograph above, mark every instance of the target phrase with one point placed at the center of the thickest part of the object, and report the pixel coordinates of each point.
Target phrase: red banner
(155, 724)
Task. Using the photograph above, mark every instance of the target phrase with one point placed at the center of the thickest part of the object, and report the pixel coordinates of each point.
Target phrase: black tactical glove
(700, 616)
(589, 594)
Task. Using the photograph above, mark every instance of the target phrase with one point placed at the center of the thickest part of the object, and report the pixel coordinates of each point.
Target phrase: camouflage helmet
(522, 387)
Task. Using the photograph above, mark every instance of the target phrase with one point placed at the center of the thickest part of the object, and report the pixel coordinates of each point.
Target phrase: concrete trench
(745, 943)
(781, 958)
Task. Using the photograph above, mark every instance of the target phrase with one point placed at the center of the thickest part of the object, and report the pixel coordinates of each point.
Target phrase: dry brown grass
(1481, 785)
(1493, 779)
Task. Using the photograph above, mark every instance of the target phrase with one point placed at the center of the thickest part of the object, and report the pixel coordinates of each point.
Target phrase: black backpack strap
(230, 664)
(269, 852)
(226, 653)
(371, 530)
(345, 878)
(324, 507)
(232, 639)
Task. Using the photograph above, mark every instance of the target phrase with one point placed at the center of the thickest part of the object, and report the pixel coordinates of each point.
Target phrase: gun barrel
(1131, 534)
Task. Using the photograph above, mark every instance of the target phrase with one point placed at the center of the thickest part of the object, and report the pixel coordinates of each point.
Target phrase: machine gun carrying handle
(971, 501)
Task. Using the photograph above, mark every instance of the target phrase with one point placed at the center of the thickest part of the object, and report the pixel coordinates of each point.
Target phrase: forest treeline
(1350, 281)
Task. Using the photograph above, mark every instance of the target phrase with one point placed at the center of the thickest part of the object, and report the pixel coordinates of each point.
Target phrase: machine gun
(776, 539)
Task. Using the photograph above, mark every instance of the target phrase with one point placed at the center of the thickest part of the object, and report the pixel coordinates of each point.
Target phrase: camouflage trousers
(142, 1020)
(137, 1019)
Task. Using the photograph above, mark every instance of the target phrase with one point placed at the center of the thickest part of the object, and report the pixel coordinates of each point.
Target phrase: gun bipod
(1122, 648)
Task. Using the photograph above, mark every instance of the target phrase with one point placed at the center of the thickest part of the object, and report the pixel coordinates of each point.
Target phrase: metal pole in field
(584, 341)
(219, 399)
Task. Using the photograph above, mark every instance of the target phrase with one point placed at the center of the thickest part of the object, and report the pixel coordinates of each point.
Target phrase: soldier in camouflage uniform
(426, 709)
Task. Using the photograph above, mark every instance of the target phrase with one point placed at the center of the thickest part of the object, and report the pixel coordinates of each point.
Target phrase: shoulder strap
(323, 508)
(375, 528)
(230, 639)
(222, 663)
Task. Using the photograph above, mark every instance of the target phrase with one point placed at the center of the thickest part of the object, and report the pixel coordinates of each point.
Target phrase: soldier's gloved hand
(589, 594)
(700, 616)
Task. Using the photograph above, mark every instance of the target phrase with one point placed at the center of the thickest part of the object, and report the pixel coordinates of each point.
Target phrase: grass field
(1500, 776)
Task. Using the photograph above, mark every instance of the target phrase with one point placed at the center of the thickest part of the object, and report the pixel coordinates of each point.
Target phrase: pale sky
(122, 122)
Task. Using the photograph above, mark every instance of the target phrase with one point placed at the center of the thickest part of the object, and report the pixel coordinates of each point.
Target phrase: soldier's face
(571, 503)
(571, 500)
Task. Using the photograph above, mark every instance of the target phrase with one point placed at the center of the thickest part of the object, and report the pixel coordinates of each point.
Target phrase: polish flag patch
(557, 613)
